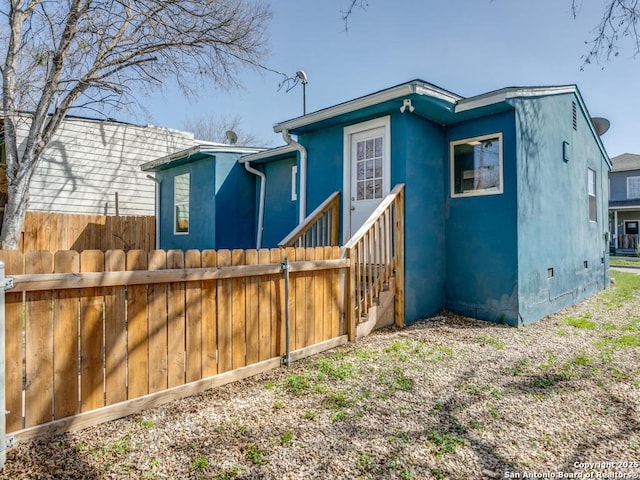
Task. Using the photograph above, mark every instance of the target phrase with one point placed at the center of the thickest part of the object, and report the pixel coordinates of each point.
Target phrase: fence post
(5, 284)
(287, 349)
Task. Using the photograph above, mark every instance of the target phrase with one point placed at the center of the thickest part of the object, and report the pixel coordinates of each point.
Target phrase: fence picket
(65, 339)
(209, 345)
(276, 302)
(39, 345)
(115, 332)
(265, 311)
(176, 328)
(137, 346)
(298, 302)
(157, 324)
(194, 319)
(225, 322)
(310, 292)
(238, 313)
(252, 312)
(91, 334)
(14, 352)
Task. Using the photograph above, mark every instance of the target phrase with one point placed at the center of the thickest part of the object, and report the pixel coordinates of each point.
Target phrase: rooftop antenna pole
(303, 78)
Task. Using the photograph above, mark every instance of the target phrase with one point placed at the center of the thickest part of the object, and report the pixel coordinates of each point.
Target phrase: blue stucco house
(201, 192)
(505, 193)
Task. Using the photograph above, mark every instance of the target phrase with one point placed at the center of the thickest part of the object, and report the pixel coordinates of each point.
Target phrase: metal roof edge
(503, 94)
(186, 153)
(413, 87)
(265, 154)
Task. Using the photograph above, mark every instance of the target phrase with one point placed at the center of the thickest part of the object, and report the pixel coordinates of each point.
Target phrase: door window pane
(369, 168)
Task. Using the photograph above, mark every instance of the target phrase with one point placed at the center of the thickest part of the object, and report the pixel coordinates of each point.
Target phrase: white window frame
(592, 192)
(630, 180)
(476, 193)
(176, 204)
(630, 221)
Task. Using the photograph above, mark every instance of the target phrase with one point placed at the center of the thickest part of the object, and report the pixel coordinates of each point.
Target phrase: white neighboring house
(90, 162)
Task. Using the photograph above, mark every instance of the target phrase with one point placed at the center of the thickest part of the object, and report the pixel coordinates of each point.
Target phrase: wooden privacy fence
(63, 231)
(95, 336)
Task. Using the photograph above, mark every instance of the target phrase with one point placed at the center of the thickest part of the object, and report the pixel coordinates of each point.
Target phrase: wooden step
(381, 315)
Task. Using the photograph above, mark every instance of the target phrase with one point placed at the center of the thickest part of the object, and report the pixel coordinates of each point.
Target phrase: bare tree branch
(353, 4)
(618, 28)
(101, 55)
(214, 130)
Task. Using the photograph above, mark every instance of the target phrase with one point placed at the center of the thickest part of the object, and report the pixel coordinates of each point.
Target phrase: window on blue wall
(476, 166)
(591, 180)
(181, 203)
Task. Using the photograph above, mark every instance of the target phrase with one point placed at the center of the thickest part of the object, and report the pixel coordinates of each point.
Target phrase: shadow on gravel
(48, 458)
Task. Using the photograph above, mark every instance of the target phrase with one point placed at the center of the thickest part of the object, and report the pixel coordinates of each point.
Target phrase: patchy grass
(444, 443)
(583, 322)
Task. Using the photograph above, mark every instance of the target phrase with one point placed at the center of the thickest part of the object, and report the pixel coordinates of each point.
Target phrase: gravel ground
(447, 397)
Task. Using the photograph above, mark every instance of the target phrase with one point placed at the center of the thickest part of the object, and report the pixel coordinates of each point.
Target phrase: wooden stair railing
(320, 228)
(376, 253)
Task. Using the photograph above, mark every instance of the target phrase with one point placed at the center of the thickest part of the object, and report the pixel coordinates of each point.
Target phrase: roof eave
(414, 87)
(266, 154)
(508, 93)
(202, 149)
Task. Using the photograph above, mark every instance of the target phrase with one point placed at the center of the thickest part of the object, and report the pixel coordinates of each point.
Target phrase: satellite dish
(601, 125)
(232, 137)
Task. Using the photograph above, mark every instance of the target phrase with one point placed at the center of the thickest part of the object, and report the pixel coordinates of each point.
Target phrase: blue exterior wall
(235, 204)
(481, 234)
(221, 205)
(202, 228)
(554, 230)
(416, 160)
(280, 213)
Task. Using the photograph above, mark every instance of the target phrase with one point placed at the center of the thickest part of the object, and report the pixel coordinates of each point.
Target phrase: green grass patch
(626, 287)
(200, 462)
(444, 442)
(583, 322)
(297, 383)
(309, 415)
(363, 460)
(146, 423)
(228, 474)
(494, 342)
(336, 370)
(255, 455)
(337, 400)
(286, 437)
(616, 262)
(438, 354)
(620, 342)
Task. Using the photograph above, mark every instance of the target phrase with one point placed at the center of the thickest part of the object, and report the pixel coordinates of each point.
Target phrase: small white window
(181, 203)
(633, 187)
(476, 166)
(591, 180)
(294, 183)
(631, 227)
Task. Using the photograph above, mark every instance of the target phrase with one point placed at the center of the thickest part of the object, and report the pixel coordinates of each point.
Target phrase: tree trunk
(14, 213)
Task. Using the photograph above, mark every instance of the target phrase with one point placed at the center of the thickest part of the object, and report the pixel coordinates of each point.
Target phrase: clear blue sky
(465, 46)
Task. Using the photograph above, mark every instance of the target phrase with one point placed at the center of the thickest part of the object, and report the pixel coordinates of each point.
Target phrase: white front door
(367, 171)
